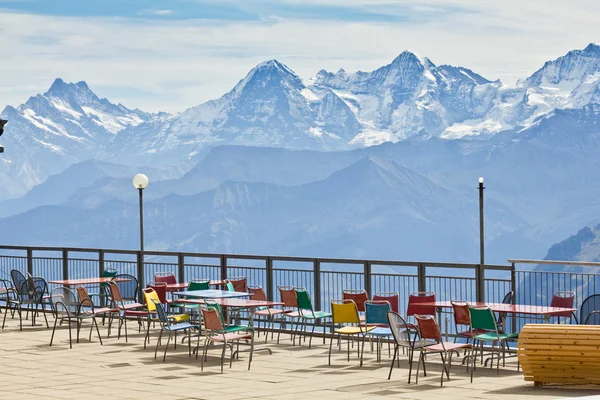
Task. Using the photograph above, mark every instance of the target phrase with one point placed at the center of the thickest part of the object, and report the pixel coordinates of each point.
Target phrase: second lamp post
(140, 182)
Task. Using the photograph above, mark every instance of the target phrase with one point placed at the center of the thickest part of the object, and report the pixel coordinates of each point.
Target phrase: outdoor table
(211, 294)
(546, 312)
(87, 281)
(173, 287)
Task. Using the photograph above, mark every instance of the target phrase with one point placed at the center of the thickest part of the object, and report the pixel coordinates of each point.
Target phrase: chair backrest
(420, 297)
(19, 281)
(303, 299)
(165, 277)
(199, 284)
(391, 297)
(108, 273)
(257, 293)
(461, 313)
(359, 297)
(508, 298)
(212, 319)
(83, 294)
(161, 290)
(399, 329)
(64, 300)
(563, 299)
(428, 327)
(344, 312)
(128, 286)
(239, 284)
(288, 296)
(151, 297)
(161, 313)
(228, 285)
(115, 293)
(38, 287)
(376, 312)
(587, 314)
(482, 318)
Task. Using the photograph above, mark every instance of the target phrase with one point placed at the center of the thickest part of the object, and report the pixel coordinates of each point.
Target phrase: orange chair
(269, 313)
(290, 308)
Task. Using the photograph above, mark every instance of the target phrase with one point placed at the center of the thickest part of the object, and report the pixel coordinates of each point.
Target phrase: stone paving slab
(119, 370)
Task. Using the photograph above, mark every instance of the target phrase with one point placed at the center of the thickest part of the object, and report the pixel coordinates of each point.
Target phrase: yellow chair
(151, 298)
(345, 313)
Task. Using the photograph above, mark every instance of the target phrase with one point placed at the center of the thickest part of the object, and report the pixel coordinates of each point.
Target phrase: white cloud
(156, 12)
(171, 65)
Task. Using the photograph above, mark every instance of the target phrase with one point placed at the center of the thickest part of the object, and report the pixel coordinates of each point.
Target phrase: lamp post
(481, 243)
(140, 181)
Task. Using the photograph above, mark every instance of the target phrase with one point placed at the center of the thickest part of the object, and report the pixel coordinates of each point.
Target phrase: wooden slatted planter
(560, 353)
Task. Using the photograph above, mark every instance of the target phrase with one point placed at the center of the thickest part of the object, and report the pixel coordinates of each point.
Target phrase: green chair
(307, 313)
(482, 318)
(197, 284)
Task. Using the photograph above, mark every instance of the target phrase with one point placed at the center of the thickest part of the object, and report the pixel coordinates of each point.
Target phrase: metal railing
(324, 278)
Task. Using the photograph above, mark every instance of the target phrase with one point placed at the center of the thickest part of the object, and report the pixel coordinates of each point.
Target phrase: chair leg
(158, 343)
(166, 347)
(97, 330)
(393, 360)
(251, 351)
(362, 350)
(223, 355)
(419, 365)
(70, 336)
(311, 334)
(330, 346)
(53, 329)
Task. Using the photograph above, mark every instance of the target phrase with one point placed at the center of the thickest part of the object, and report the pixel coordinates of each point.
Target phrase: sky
(171, 55)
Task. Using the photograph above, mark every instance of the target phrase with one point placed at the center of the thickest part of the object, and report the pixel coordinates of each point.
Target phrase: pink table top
(232, 302)
(507, 308)
(173, 287)
(87, 281)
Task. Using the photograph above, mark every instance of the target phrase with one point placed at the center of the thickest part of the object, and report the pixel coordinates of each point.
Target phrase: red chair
(161, 290)
(391, 297)
(430, 330)
(290, 307)
(165, 277)
(359, 297)
(462, 317)
(564, 300)
(413, 309)
(239, 284)
(269, 313)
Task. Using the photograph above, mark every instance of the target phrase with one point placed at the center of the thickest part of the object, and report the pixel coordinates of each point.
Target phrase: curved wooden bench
(560, 353)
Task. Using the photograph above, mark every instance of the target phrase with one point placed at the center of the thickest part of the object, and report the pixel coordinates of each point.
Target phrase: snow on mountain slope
(51, 131)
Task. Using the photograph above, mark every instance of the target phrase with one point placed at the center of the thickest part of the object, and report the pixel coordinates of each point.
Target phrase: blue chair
(376, 314)
(168, 324)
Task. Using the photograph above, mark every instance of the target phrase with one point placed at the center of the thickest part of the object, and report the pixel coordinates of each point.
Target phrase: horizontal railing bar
(587, 263)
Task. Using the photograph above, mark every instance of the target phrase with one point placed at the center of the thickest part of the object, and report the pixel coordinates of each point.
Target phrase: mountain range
(380, 164)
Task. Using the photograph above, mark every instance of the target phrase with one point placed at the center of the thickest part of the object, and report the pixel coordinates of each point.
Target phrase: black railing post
(422, 282)
(317, 283)
(140, 275)
(181, 267)
(100, 262)
(30, 261)
(65, 264)
(223, 267)
(513, 287)
(479, 283)
(368, 277)
(269, 282)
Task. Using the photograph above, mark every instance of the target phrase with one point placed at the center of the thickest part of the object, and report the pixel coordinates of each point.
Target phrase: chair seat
(469, 334)
(378, 331)
(179, 327)
(238, 328)
(291, 314)
(269, 311)
(491, 336)
(130, 306)
(354, 330)
(99, 311)
(448, 346)
(135, 313)
(315, 315)
(220, 337)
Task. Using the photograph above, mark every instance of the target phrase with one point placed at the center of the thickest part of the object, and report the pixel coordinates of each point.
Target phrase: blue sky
(170, 55)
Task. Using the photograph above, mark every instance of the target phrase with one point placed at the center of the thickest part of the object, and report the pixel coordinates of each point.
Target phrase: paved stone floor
(119, 370)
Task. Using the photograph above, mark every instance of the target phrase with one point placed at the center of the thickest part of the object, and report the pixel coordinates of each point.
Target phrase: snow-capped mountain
(51, 131)
(271, 106)
(410, 96)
